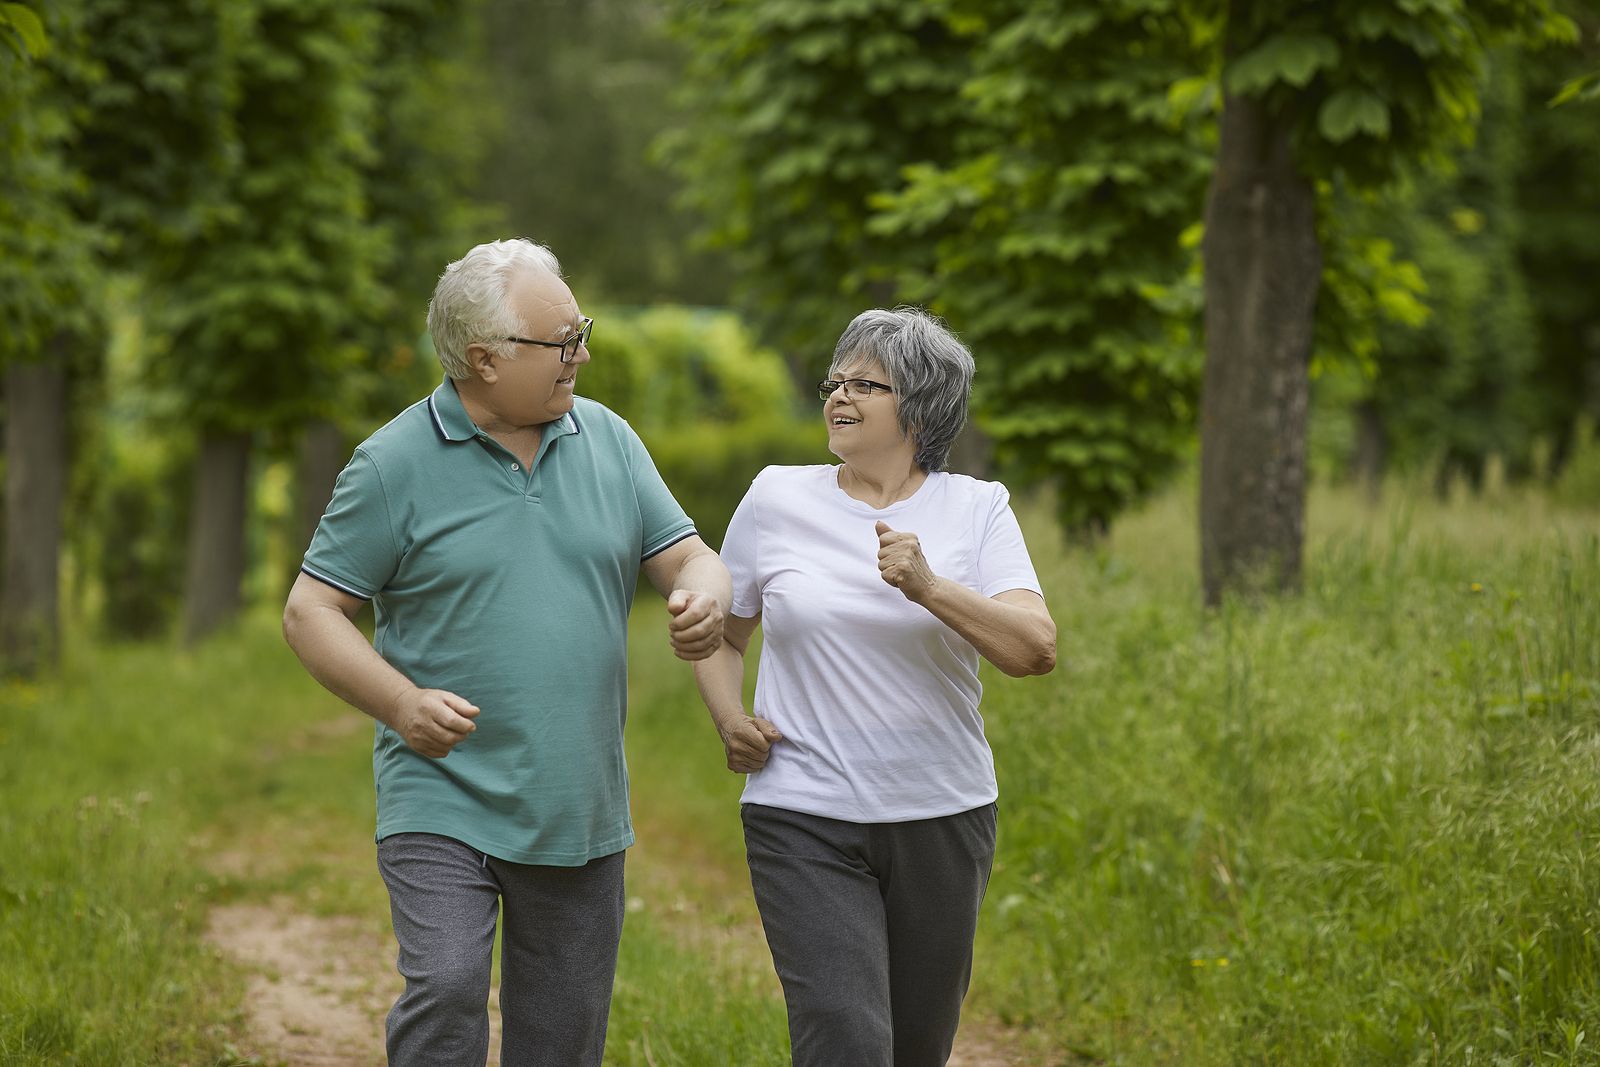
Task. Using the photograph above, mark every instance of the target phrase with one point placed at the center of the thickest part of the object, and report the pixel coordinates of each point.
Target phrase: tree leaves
(1289, 58)
(26, 37)
(1353, 111)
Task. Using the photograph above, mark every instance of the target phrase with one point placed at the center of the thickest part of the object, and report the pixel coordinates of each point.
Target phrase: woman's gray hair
(929, 369)
(470, 305)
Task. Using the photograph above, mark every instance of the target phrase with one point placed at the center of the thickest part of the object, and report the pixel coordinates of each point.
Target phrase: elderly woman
(869, 812)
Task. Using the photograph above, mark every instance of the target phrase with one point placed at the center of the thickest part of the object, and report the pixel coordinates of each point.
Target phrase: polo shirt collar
(450, 418)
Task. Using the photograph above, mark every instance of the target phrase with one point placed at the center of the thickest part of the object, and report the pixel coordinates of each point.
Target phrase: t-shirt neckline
(866, 508)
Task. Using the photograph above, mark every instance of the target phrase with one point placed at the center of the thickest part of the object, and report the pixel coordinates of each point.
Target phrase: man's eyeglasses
(569, 347)
(854, 388)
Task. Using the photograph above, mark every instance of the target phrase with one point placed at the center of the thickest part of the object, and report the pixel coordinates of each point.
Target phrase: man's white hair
(470, 303)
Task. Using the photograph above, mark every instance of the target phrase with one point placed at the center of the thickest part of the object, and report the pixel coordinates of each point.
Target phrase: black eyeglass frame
(827, 387)
(569, 347)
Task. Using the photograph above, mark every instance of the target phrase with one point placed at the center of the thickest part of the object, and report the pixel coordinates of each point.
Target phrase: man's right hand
(748, 742)
(434, 721)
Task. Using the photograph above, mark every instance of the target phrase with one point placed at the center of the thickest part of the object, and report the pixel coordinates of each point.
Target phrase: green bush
(1579, 482)
(713, 406)
(139, 528)
(709, 466)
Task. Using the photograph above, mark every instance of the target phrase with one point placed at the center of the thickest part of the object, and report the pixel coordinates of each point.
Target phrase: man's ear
(483, 363)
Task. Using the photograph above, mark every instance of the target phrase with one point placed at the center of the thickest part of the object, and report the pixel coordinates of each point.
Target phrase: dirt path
(320, 986)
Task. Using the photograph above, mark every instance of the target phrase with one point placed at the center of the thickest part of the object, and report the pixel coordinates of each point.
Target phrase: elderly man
(498, 527)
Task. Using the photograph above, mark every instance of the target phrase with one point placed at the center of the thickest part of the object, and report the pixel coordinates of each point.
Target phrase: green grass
(1378, 802)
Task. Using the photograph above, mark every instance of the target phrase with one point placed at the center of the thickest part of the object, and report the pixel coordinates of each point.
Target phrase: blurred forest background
(221, 223)
(1213, 258)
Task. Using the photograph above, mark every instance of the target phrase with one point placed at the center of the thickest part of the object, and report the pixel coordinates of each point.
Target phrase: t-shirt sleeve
(354, 548)
(663, 521)
(1003, 561)
(740, 555)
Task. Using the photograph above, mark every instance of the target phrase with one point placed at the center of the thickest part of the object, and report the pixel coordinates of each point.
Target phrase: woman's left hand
(902, 564)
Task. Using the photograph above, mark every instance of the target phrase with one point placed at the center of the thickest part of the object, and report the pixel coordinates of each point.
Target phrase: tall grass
(1361, 825)
(1356, 826)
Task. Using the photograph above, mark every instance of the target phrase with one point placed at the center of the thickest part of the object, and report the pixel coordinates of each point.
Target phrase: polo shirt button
(515, 467)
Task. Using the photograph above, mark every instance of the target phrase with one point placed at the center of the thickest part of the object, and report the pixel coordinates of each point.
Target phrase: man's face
(533, 386)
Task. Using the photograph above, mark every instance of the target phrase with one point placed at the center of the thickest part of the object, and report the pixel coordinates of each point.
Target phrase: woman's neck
(879, 485)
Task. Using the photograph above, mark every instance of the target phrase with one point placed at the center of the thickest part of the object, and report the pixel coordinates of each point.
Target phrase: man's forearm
(338, 655)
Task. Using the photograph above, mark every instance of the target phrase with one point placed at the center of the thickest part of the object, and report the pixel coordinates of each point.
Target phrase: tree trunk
(216, 534)
(322, 457)
(36, 484)
(972, 453)
(1372, 449)
(1263, 267)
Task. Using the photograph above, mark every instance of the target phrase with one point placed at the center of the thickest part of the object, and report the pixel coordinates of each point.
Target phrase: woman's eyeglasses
(854, 388)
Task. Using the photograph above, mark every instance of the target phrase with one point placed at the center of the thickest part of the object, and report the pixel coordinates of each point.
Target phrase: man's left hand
(696, 625)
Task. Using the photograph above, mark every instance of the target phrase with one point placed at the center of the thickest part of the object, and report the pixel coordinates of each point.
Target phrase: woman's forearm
(720, 677)
(1019, 638)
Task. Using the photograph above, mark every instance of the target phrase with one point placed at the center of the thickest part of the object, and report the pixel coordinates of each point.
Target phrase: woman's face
(864, 427)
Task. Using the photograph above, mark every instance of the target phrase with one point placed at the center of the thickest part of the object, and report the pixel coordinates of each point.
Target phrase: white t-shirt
(876, 698)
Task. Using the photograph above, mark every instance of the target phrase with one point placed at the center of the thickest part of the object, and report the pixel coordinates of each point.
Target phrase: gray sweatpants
(871, 928)
(558, 954)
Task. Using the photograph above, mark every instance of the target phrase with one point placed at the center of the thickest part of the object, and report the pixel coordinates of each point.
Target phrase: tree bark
(1263, 267)
(972, 453)
(1372, 449)
(322, 457)
(36, 485)
(216, 561)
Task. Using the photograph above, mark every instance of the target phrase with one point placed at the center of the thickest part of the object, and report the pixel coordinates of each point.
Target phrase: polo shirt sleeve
(354, 548)
(663, 520)
(740, 555)
(1003, 561)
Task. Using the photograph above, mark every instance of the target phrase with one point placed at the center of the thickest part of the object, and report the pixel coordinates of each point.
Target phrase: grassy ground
(1357, 826)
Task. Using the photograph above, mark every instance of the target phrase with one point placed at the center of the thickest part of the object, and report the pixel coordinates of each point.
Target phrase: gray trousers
(871, 928)
(558, 954)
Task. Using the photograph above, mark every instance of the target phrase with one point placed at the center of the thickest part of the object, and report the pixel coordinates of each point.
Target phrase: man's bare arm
(699, 594)
(319, 624)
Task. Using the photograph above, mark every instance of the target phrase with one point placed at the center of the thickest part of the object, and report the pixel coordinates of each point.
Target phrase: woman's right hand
(748, 741)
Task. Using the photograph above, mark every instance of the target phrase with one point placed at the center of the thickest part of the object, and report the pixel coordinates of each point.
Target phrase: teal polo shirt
(510, 587)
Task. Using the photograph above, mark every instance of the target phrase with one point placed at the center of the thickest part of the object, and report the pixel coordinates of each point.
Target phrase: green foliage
(569, 145)
(1579, 483)
(23, 32)
(1056, 251)
(263, 319)
(136, 533)
(1462, 384)
(1020, 170)
(430, 142)
(1557, 191)
(805, 110)
(712, 406)
(160, 136)
(1585, 88)
(48, 267)
(1371, 86)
